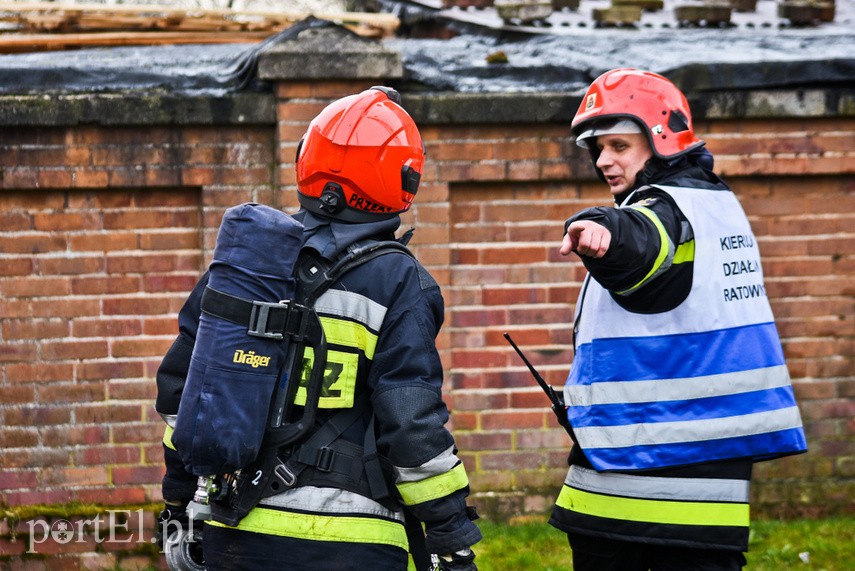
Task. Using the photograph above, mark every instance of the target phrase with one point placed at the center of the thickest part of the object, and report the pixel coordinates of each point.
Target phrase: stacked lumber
(39, 26)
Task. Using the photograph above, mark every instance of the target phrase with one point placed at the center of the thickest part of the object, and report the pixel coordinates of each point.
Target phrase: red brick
(17, 394)
(31, 373)
(140, 432)
(140, 347)
(103, 327)
(18, 479)
(512, 419)
(31, 243)
(11, 352)
(75, 435)
(73, 476)
(170, 282)
(137, 474)
(103, 242)
(34, 328)
(132, 390)
(12, 548)
(72, 392)
(483, 440)
(108, 413)
(160, 326)
(512, 461)
(71, 266)
(112, 496)
(149, 305)
(477, 359)
(29, 498)
(66, 350)
(99, 285)
(110, 455)
(35, 457)
(16, 437)
(66, 220)
(16, 266)
(38, 415)
(71, 307)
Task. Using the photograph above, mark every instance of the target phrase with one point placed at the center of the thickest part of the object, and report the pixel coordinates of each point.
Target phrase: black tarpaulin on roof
(209, 68)
(699, 59)
(702, 59)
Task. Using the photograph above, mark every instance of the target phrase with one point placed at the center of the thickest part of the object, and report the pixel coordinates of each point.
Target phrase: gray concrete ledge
(133, 108)
(468, 108)
(769, 104)
(328, 53)
(443, 108)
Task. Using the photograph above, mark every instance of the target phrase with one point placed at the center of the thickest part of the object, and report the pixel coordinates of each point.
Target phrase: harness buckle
(260, 315)
(325, 459)
(285, 475)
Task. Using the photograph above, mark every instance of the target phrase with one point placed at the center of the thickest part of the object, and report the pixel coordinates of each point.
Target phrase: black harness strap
(315, 275)
(318, 451)
(261, 318)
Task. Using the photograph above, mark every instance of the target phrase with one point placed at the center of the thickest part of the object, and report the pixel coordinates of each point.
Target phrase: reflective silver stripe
(329, 501)
(352, 306)
(656, 488)
(689, 431)
(620, 392)
(440, 464)
(169, 419)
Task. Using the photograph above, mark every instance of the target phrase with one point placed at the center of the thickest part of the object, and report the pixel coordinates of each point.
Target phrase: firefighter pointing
(677, 385)
(351, 466)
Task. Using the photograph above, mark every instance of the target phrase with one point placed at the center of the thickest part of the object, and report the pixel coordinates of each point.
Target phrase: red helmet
(361, 159)
(652, 101)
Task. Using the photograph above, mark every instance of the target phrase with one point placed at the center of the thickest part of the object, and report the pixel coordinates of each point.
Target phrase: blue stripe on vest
(784, 442)
(679, 356)
(682, 410)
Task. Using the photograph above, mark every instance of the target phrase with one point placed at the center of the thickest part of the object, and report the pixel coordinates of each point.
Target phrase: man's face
(622, 157)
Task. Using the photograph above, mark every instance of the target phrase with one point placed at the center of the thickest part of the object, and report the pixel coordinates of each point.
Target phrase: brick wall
(103, 231)
(102, 234)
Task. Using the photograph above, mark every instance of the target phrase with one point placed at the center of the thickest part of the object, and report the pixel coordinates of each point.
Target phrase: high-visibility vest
(704, 381)
(703, 512)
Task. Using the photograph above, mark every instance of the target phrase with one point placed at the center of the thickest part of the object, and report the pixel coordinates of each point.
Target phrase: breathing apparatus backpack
(247, 356)
(237, 408)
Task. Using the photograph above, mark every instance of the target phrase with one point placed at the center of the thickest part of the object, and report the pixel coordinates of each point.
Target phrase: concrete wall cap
(329, 53)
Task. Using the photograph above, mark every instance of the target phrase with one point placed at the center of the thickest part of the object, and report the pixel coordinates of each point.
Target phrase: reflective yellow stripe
(685, 253)
(342, 367)
(653, 511)
(167, 437)
(434, 487)
(663, 247)
(349, 334)
(322, 527)
(339, 384)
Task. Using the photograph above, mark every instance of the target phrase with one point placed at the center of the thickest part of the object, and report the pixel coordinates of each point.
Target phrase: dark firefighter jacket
(380, 320)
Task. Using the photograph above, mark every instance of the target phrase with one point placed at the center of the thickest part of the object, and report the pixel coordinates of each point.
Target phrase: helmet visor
(606, 127)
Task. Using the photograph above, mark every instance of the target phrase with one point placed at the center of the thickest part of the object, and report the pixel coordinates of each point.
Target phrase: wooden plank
(388, 22)
(18, 43)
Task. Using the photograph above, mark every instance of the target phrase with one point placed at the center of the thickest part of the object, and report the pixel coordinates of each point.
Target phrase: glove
(463, 560)
(172, 518)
